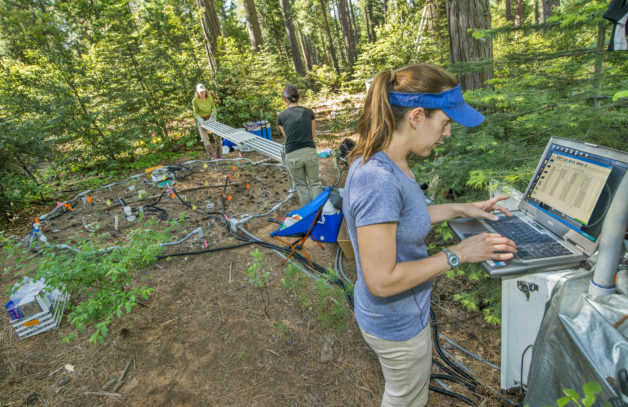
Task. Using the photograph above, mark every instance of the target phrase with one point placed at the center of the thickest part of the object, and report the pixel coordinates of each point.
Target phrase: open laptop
(558, 221)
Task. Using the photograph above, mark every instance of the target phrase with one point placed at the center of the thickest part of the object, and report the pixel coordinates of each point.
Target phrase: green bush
(102, 286)
(320, 296)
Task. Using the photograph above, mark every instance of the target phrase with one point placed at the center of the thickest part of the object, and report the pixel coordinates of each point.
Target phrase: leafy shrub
(259, 277)
(102, 285)
(320, 296)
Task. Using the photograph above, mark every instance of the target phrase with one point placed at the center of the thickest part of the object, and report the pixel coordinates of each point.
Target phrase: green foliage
(102, 285)
(259, 277)
(320, 296)
(590, 389)
(620, 94)
(248, 85)
(345, 120)
(484, 294)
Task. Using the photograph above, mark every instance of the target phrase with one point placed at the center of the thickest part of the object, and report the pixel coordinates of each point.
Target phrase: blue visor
(449, 101)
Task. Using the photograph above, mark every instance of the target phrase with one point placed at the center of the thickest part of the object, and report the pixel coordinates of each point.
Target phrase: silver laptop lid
(572, 188)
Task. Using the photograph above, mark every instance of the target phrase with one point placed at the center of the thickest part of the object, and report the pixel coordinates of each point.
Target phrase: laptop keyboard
(531, 244)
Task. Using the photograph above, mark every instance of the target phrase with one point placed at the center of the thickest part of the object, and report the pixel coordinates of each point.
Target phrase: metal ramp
(239, 136)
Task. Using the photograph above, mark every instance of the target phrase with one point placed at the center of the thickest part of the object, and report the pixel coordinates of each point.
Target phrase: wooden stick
(121, 379)
(54, 371)
(102, 393)
(230, 264)
(108, 384)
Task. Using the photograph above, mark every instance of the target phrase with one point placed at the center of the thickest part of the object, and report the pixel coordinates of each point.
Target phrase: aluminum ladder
(267, 147)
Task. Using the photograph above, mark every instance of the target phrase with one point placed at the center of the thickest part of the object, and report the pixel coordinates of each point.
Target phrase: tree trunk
(325, 55)
(332, 49)
(508, 11)
(369, 16)
(294, 48)
(211, 30)
(356, 33)
(306, 56)
(368, 23)
(337, 31)
(519, 13)
(347, 34)
(599, 61)
(252, 24)
(546, 8)
(461, 16)
(312, 53)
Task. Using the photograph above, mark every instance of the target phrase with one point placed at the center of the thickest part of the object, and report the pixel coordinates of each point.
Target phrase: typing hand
(485, 246)
(483, 209)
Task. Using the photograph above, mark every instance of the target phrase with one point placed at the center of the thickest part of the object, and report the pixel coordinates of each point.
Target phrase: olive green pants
(303, 167)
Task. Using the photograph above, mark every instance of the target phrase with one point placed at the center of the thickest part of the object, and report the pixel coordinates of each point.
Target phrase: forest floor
(203, 338)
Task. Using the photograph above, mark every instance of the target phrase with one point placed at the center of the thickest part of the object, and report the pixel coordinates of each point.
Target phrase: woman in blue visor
(407, 111)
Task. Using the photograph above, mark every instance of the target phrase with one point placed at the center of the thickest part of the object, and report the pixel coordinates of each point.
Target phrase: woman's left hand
(483, 209)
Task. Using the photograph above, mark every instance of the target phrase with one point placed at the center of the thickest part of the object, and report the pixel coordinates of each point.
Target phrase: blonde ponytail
(377, 121)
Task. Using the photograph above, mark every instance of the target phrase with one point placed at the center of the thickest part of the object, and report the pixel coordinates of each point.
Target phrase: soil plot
(205, 336)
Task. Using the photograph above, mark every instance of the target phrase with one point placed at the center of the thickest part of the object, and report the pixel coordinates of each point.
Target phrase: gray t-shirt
(378, 191)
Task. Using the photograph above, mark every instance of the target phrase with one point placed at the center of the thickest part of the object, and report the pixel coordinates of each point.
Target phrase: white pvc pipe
(611, 243)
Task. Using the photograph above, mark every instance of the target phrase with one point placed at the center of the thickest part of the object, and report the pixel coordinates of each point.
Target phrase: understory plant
(101, 280)
(590, 389)
(485, 294)
(321, 296)
(259, 277)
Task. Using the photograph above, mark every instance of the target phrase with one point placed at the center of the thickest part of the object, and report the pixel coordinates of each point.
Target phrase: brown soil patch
(202, 339)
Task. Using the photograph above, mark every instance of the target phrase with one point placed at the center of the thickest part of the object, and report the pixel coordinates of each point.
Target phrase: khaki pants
(303, 167)
(406, 366)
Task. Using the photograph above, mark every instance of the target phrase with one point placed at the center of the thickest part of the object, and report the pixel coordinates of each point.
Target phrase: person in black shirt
(297, 124)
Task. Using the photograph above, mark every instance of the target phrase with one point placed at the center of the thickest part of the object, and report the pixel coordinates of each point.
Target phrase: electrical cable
(473, 355)
(303, 260)
(457, 375)
(523, 387)
(214, 249)
(452, 394)
(440, 352)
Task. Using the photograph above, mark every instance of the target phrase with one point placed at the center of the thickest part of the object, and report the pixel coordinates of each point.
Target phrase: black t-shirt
(297, 124)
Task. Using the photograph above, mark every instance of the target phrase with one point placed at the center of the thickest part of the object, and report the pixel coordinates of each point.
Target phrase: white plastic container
(43, 321)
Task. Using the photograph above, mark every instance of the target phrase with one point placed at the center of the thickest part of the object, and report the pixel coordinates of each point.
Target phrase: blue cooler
(261, 128)
(327, 228)
(227, 143)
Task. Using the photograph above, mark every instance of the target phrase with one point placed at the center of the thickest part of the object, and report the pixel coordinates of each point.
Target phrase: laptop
(560, 216)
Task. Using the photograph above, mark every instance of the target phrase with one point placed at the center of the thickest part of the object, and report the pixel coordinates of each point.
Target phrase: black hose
(458, 370)
(215, 249)
(449, 371)
(160, 213)
(174, 191)
(451, 394)
(452, 378)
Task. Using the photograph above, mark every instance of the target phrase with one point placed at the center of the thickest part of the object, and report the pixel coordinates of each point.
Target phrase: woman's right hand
(485, 246)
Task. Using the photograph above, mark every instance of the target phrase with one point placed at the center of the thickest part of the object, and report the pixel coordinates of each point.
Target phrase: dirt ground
(202, 338)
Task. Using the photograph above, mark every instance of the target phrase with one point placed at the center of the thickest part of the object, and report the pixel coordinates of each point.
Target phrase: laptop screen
(576, 187)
